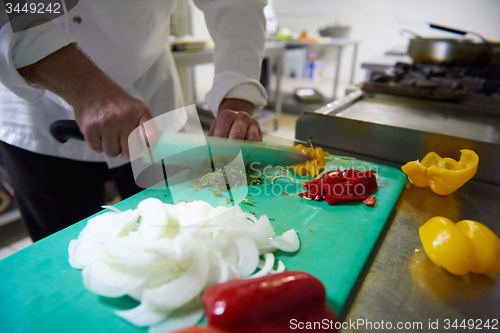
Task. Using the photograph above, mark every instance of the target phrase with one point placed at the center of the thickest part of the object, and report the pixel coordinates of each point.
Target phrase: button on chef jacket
(128, 40)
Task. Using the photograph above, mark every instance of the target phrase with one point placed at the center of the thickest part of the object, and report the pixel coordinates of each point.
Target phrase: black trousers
(53, 193)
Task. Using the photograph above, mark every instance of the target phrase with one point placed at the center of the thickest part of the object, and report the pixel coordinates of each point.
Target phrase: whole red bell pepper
(271, 303)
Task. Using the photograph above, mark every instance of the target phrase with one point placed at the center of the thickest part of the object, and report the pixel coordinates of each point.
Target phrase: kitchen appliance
(465, 85)
(451, 52)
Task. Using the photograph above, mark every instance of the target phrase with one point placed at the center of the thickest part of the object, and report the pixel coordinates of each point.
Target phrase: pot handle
(459, 32)
(452, 30)
(414, 34)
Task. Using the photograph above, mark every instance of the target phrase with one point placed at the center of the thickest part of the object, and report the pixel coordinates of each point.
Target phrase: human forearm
(105, 112)
(68, 73)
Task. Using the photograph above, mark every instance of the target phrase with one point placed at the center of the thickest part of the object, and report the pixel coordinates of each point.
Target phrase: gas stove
(472, 86)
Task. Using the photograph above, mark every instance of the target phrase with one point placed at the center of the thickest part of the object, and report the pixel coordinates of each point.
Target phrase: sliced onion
(233, 272)
(281, 267)
(163, 246)
(219, 270)
(268, 266)
(101, 279)
(129, 251)
(110, 225)
(114, 209)
(266, 247)
(188, 315)
(165, 255)
(183, 289)
(248, 256)
(193, 212)
(154, 219)
(142, 315)
(288, 242)
(82, 252)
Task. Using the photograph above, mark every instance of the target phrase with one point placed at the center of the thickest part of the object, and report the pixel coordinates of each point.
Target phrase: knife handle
(63, 130)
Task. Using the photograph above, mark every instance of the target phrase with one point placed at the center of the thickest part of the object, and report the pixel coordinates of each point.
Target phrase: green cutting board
(40, 292)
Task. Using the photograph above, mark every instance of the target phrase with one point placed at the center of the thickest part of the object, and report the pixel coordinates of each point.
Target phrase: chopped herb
(217, 181)
(271, 219)
(228, 201)
(312, 231)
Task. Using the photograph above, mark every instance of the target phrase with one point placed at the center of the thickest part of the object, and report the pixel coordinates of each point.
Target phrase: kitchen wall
(375, 23)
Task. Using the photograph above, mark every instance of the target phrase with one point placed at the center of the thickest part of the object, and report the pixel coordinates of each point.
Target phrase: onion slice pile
(165, 256)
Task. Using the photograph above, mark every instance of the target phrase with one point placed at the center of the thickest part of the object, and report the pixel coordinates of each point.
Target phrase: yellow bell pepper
(467, 246)
(312, 167)
(443, 175)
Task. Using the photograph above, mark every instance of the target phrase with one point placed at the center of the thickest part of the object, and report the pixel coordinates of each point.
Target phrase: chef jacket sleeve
(238, 30)
(24, 48)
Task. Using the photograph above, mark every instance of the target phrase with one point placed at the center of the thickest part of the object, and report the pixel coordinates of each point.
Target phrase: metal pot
(448, 51)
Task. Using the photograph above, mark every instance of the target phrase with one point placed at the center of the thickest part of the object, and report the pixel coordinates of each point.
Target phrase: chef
(107, 64)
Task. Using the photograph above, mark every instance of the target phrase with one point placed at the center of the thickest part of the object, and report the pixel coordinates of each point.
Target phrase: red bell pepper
(268, 304)
(337, 186)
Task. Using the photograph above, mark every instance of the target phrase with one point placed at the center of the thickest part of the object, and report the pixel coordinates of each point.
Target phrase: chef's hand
(235, 121)
(107, 115)
(105, 112)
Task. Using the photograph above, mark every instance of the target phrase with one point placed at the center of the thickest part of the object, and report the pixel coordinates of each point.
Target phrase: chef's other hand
(105, 112)
(235, 121)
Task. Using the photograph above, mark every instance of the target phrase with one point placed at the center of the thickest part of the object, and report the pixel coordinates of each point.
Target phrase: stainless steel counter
(403, 285)
(400, 285)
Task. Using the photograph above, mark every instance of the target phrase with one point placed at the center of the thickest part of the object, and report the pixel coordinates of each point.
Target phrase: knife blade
(184, 148)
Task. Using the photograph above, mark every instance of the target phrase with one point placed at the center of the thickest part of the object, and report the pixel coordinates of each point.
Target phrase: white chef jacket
(127, 39)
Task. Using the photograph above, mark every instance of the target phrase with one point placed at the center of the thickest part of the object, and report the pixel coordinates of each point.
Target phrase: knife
(173, 143)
